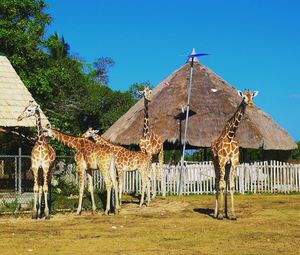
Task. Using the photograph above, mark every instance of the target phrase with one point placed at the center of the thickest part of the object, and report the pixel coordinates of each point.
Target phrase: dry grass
(267, 224)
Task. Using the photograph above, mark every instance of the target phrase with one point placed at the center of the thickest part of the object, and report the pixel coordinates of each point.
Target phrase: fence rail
(199, 178)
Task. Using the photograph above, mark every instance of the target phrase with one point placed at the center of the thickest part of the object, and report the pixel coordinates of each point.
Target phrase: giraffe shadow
(205, 211)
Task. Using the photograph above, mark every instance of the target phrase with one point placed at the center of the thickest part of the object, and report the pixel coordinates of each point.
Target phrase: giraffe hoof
(233, 217)
(34, 215)
(220, 217)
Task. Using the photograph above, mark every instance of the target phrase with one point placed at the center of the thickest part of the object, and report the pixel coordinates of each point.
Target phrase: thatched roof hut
(14, 97)
(209, 112)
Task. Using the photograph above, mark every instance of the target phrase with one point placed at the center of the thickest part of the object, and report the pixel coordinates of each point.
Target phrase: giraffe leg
(148, 190)
(154, 179)
(234, 165)
(81, 188)
(34, 213)
(91, 190)
(161, 172)
(40, 201)
(113, 176)
(217, 173)
(116, 189)
(108, 186)
(121, 182)
(144, 185)
(45, 190)
(117, 203)
(227, 172)
(221, 188)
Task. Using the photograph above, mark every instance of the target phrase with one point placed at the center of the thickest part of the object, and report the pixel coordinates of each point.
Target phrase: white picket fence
(199, 178)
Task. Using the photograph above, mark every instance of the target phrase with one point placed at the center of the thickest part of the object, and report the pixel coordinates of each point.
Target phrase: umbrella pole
(181, 175)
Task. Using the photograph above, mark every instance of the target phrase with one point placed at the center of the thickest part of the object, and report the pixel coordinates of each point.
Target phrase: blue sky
(253, 44)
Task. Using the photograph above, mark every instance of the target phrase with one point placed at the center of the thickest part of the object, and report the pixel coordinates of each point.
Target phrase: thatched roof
(210, 112)
(14, 97)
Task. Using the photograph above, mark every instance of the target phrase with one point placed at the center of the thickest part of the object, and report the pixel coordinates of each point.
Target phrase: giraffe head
(30, 110)
(248, 97)
(146, 93)
(90, 133)
(47, 132)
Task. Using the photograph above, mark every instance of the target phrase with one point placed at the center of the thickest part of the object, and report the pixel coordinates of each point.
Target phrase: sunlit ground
(266, 224)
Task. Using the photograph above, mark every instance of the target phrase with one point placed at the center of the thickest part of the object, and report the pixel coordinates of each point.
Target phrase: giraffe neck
(100, 140)
(146, 118)
(41, 137)
(70, 141)
(233, 123)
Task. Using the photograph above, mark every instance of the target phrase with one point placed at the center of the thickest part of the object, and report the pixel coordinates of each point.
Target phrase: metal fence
(16, 179)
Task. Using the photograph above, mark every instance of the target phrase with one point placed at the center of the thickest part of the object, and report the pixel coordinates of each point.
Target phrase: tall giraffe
(126, 161)
(88, 157)
(226, 150)
(42, 158)
(152, 144)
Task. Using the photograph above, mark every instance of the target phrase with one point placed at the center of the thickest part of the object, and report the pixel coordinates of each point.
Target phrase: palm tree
(57, 47)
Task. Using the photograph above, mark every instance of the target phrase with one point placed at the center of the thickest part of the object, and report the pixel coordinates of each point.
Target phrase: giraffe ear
(240, 93)
(96, 131)
(254, 94)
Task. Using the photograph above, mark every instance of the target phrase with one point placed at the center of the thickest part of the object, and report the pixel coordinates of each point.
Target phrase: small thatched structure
(14, 97)
(209, 111)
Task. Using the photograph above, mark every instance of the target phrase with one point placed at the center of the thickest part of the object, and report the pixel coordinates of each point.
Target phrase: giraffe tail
(113, 172)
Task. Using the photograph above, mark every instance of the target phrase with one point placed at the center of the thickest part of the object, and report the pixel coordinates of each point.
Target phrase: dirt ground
(266, 224)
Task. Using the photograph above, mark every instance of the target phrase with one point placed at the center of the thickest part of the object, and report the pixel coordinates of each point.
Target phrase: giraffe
(88, 157)
(152, 144)
(226, 150)
(126, 160)
(42, 158)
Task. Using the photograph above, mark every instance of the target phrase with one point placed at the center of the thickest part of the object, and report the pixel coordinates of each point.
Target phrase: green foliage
(136, 87)
(100, 70)
(65, 196)
(12, 207)
(72, 93)
(23, 24)
(296, 152)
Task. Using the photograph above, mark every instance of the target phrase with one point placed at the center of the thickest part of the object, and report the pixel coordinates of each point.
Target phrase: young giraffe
(88, 157)
(152, 144)
(226, 150)
(42, 158)
(126, 161)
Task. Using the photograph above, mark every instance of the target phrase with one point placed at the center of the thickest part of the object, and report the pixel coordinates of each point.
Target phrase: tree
(22, 27)
(74, 95)
(100, 70)
(136, 87)
(57, 47)
(296, 152)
